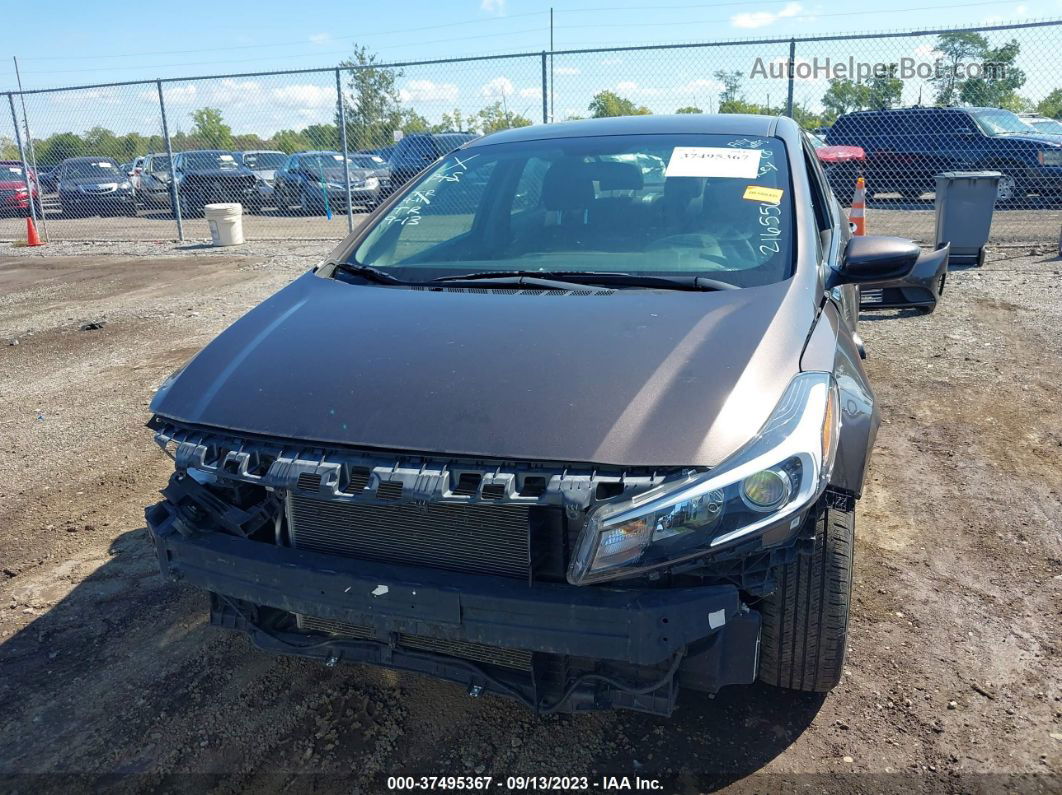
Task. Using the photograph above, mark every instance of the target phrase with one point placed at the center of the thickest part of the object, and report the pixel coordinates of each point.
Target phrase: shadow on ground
(121, 677)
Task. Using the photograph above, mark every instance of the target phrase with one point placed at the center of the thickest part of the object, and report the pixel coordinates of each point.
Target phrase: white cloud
(428, 91)
(631, 89)
(493, 6)
(566, 70)
(532, 92)
(320, 38)
(760, 19)
(923, 50)
(611, 61)
(306, 95)
(497, 88)
(699, 86)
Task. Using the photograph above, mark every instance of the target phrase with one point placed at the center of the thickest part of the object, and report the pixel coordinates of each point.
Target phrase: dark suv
(208, 176)
(416, 152)
(578, 418)
(905, 149)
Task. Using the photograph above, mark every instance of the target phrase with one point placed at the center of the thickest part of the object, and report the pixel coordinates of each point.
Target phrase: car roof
(722, 123)
(89, 159)
(318, 152)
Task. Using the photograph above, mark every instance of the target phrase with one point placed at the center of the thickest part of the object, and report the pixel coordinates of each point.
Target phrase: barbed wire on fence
(307, 152)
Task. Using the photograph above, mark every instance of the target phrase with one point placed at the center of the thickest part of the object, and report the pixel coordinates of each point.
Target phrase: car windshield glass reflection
(716, 206)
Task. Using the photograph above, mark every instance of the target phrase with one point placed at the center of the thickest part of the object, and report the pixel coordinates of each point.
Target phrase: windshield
(711, 205)
(329, 164)
(264, 161)
(367, 161)
(10, 171)
(91, 168)
(1000, 122)
(208, 160)
(1047, 125)
(159, 163)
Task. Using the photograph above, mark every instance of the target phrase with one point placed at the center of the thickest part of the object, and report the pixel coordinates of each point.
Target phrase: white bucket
(226, 223)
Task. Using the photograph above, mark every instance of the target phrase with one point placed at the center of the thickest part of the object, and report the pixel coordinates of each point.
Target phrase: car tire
(805, 620)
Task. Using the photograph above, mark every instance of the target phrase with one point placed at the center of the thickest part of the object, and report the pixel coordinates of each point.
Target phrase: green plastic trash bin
(965, 201)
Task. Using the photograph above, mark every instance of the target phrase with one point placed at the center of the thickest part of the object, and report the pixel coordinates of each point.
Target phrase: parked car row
(315, 181)
(905, 148)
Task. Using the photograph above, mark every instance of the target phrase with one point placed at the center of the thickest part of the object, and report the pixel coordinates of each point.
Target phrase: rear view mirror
(876, 260)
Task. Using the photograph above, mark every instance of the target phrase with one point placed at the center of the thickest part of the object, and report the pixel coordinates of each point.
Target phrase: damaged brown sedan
(577, 417)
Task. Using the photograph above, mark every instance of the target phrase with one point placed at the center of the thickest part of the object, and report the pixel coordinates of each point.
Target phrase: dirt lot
(955, 664)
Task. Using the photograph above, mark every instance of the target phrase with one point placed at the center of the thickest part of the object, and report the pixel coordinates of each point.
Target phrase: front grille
(494, 655)
(477, 539)
(874, 296)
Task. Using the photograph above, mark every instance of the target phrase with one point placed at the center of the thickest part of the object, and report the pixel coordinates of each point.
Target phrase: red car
(14, 195)
(828, 155)
(842, 165)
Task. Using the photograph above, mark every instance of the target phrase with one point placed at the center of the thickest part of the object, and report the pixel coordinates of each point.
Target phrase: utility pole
(552, 117)
(32, 154)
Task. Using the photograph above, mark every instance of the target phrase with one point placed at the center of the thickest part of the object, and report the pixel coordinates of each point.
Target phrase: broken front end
(471, 571)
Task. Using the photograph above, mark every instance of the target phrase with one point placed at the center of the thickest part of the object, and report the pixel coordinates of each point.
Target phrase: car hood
(633, 377)
(101, 180)
(218, 172)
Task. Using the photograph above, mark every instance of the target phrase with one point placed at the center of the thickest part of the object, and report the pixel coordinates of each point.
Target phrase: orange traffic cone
(857, 215)
(32, 238)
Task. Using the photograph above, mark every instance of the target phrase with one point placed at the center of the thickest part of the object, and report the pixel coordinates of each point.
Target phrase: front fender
(831, 348)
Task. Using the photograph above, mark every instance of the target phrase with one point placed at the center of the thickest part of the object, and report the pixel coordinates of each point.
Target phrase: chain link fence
(308, 153)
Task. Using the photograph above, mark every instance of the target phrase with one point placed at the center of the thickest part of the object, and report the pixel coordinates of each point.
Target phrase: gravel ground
(953, 674)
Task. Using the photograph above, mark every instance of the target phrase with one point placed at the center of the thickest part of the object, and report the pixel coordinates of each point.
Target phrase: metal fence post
(25, 166)
(175, 198)
(790, 75)
(545, 92)
(343, 144)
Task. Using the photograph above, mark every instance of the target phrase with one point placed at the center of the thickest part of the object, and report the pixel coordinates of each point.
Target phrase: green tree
(56, 148)
(372, 109)
(608, 103)
(885, 89)
(957, 49)
(844, 96)
(1051, 105)
(689, 109)
(8, 148)
(453, 122)
(731, 86)
(211, 129)
(409, 121)
(997, 87)
(497, 116)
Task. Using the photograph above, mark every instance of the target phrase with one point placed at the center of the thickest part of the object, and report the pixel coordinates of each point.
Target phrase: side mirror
(875, 261)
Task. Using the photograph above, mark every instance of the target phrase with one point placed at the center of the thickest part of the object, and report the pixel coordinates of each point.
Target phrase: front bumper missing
(610, 644)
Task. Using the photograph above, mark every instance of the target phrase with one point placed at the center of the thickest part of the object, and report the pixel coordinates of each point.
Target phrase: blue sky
(79, 43)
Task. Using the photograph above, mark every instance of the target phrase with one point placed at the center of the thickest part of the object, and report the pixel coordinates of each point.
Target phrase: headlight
(372, 182)
(771, 480)
(1050, 157)
(124, 186)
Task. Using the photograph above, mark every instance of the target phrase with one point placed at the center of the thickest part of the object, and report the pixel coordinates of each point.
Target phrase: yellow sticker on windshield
(758, 193)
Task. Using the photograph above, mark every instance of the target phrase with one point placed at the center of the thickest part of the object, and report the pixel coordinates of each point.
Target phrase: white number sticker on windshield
(713, 161)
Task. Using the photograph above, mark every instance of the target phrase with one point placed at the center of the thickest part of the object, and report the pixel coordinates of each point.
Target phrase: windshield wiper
(602, 279)
(366, 272)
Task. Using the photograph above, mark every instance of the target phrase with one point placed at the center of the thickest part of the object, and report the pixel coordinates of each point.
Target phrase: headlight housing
(771, 480)
(1050, 157)
(124, 185)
